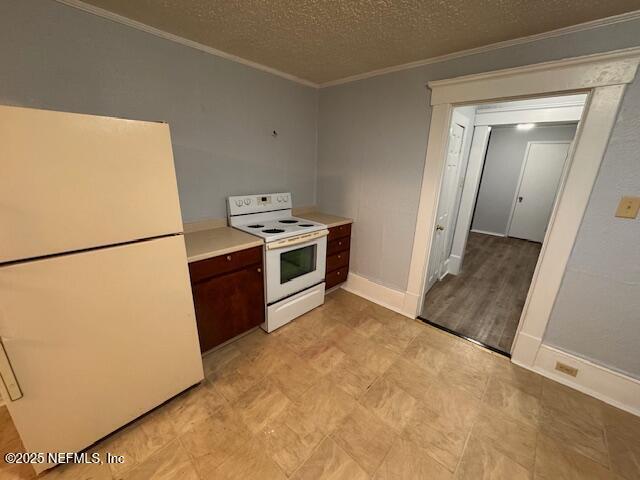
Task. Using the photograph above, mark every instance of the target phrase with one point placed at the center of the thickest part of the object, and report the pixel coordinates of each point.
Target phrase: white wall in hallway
(501, 173)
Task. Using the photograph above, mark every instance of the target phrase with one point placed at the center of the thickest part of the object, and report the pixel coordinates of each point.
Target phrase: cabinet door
(339, 232)
(337, 276)
(338, 260)
(339, 245)
(228, 305)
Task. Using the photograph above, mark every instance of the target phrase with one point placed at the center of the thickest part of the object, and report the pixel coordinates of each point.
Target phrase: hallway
(485, 300)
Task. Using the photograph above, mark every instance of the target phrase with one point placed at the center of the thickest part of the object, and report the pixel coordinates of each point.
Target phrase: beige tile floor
(355, 391)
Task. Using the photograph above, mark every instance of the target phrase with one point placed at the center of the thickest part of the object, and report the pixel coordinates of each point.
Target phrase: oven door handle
(288, 242)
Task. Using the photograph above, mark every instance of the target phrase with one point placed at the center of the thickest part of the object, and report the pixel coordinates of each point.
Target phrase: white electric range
(294, 254)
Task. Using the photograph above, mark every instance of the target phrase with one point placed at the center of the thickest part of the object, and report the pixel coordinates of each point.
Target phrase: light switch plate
(628, 207)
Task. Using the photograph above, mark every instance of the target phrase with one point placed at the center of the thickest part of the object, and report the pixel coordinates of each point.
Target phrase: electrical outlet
(628, 207)
(566, 369)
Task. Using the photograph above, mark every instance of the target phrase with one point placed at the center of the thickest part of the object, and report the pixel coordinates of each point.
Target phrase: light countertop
(217, 241)
(211, 242)
(328, 220)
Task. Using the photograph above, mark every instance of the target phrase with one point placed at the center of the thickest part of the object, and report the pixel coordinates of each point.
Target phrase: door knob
(439, 227)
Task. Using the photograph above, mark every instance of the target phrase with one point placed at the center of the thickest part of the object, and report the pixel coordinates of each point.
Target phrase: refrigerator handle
(7, 376)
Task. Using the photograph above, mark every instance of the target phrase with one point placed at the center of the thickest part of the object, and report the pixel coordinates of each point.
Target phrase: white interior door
(96, 339)
(540, 178)
(478, 152)
(448, 190)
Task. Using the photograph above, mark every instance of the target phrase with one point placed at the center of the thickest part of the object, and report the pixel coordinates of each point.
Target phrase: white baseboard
(412, 305)
(525, 349)
(488, 233)
(387, 297)
(455, 264)
(607, 385)
(446, 267)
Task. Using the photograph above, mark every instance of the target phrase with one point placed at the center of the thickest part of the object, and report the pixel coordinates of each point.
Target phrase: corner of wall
(395, 300)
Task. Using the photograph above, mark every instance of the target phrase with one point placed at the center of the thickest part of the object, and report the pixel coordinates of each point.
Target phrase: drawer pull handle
(339, 257)
(259, 270)
(228, 258)
(340, 243)
(339, 273)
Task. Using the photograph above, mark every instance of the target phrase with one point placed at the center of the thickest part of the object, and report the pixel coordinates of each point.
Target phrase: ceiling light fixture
(525, 126)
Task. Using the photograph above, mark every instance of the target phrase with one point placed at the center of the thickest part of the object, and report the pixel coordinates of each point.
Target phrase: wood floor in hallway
(485, 300)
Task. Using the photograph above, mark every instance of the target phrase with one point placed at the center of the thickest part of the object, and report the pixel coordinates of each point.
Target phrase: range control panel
(264, 202)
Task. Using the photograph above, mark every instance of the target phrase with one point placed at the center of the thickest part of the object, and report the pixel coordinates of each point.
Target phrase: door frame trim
(604, 77)
(563, 175)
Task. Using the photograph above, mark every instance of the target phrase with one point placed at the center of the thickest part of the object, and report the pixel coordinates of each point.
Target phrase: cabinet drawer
(335, 246)
(337, 276)
(338, 260)
(228, 305)
(224, 263)
(339, 232)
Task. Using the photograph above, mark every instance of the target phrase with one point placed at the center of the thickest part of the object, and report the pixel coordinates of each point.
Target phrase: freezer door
(70, 182)
(96, 339)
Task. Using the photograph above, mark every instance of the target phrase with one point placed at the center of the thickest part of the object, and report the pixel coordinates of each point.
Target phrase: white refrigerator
(97, 324)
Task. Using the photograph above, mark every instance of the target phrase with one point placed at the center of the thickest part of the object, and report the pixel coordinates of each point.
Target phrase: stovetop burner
(288, 221)
(255, 226)
(273, 230)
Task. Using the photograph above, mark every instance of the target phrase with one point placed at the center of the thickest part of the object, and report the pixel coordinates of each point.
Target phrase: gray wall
(371, 151)
(221, 113)
(597, 312)
(501, 173)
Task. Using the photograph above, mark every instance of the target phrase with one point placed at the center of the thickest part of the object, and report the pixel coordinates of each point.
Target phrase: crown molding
(619, 67)
(100, 12)
(624, 17)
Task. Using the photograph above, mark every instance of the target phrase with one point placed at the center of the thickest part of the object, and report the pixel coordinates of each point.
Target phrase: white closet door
(543, 165)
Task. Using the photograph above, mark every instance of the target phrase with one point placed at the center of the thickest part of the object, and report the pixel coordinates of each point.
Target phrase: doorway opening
(504, 167)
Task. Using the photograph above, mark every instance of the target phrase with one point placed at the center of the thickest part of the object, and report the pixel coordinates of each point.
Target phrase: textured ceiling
(323, 41)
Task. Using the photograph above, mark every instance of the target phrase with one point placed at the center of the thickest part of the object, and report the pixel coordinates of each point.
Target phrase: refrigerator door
(71, 182)
(96, 339)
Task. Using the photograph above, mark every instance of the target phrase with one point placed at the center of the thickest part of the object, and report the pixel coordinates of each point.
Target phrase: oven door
(295, 264)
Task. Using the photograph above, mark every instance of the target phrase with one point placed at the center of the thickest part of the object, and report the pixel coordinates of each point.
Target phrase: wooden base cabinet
(228, 294)
(338, 249)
